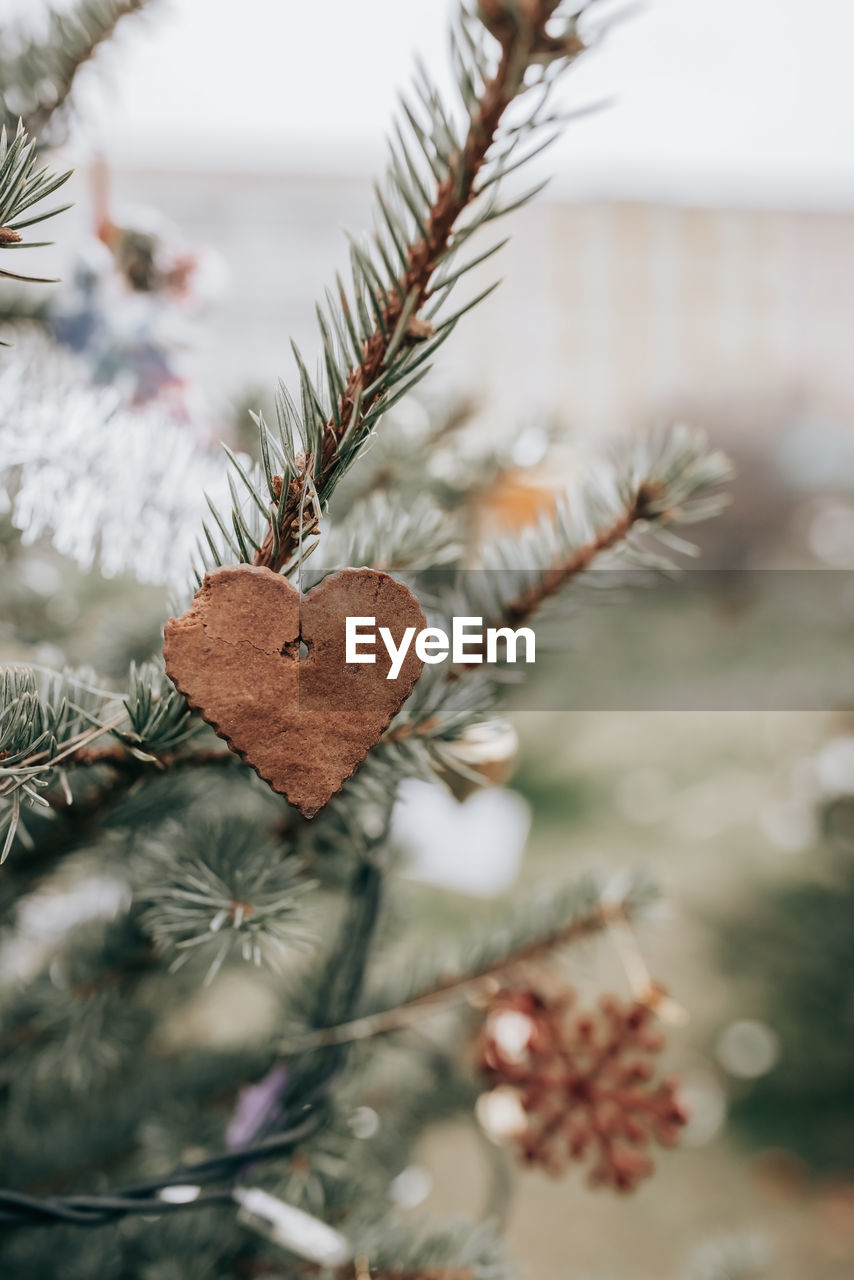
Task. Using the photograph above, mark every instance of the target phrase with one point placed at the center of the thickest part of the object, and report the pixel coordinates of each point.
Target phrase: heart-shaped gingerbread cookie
(303, 722)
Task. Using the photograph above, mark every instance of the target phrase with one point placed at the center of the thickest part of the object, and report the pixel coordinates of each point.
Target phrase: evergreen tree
(130, 1148)
(790, 949)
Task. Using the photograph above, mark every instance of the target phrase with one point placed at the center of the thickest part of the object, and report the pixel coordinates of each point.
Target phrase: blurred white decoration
(511, 1031)
(748, 1049)
(473, 847)
(181, 1193)
(530, 447)
(701, 1095)
(291, 1228)
(46, 917)
(834, 766)
(486, 752)
(364, 1122)
(123, 489)
(500, 1113)
(644, 795)
(373, 820)
(411, 1187)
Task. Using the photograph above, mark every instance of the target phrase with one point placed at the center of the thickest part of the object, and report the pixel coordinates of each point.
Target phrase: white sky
(752, 99)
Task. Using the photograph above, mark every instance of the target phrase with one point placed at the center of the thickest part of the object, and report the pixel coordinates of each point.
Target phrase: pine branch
(87, 1011)
(38, 76)
(22, 307)
(79, 811)
(340, 987)
(377, 342)
(538, 930)
(558, 576)
(211, 889)
(399, 460)
(22, 185)
(51, 722)
(87, 472)
(69, 827)
(44, 720)
(622, 517)
(390, 533)
(132, 767)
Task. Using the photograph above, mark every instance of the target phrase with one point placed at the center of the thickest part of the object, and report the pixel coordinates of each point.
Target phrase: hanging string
(307, 484)
(644, 988)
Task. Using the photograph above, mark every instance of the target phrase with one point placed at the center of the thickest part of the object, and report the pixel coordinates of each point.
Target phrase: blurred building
(626, 311)
(614, 313)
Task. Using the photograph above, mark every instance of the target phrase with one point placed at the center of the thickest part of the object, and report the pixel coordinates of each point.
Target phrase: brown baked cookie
(304, 723)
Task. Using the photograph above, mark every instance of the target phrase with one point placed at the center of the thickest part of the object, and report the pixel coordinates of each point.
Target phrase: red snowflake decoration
(585, 1082)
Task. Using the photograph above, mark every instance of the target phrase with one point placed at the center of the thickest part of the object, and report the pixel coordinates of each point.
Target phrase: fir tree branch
(387, 318)
(558, 576)
(50, 720)
(39, 76)
(78, 815)
(623, 517)
(22, 185)
(22, 307)
(132, 767)
(339, 989)
(75, 823)
(460, 984)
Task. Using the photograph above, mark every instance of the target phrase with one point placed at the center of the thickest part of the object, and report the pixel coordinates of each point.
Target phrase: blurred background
(692, 257)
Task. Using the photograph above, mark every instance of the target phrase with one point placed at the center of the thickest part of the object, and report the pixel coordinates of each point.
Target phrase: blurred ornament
(77, 465)
(364, 1122)
(583, 1081)
(258, 1108)
(518, 497)
(411, 1187)
(136, 292)
(500, 1113)
(180, 1193)
(512, 1032)
(748, 1049)
(290, 1228)
(530, 446)
(472, 847)
(486, 752)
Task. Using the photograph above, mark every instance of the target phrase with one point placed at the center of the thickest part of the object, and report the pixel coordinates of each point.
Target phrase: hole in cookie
(303, 649)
